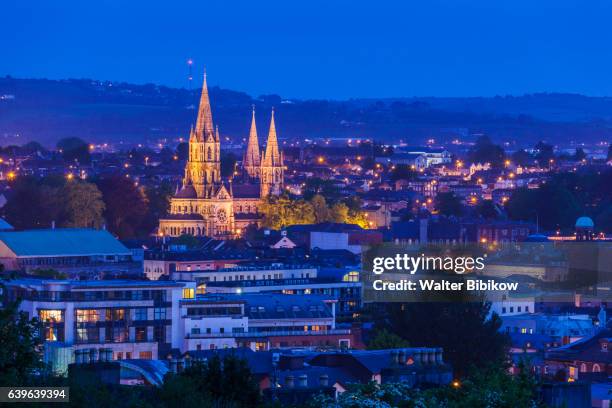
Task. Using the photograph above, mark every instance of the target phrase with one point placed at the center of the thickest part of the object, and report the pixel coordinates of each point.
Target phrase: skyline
(319, 51)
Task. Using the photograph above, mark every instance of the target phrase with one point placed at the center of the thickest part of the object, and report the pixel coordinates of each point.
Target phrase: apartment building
(134, 319)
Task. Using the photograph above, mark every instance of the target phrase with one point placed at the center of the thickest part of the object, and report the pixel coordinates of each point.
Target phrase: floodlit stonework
(207, 205)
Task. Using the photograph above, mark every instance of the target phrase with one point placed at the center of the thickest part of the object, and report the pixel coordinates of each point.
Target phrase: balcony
(267, 334)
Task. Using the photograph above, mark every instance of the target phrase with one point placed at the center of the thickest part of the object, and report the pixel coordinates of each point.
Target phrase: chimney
(324, 380)
(303, 380)
(289, 381)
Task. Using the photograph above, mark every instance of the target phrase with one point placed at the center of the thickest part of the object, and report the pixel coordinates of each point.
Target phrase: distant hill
(46, 110)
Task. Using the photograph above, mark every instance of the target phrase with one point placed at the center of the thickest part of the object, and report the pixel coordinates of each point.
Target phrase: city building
(347, 292)
(262, 322)
(86, 253)
(588, 359)
(132, 319)
(550, 330)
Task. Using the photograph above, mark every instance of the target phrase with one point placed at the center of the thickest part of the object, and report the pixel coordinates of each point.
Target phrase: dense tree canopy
(280, 212)
(544, 153)
(565, 197)
(126, 206)
(435, 324)
(20, 357)
(484, 151)
(74, 148)
(36, 203)
(448, 204)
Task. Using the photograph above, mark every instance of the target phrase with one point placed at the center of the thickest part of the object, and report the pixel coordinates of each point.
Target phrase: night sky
(318, 49)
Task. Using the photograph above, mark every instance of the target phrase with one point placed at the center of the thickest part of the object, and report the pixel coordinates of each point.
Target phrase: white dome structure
(584, 222)
(584, 229)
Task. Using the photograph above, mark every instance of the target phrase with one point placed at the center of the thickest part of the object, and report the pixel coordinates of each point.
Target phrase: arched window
(583, 368)
(209, 154)
(596, 368)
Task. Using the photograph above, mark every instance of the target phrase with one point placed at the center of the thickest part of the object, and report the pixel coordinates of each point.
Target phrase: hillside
(46, 110)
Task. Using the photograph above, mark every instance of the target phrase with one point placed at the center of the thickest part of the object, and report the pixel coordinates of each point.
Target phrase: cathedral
(207, 205)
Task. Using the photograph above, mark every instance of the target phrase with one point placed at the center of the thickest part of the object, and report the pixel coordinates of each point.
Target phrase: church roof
(246, 190)
(187, 192)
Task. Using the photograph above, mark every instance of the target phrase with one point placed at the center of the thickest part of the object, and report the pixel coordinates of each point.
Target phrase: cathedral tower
(204, 166)
(272, 167)
(251, 161)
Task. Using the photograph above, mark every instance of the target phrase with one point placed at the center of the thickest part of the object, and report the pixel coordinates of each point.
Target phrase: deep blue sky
(319, 49)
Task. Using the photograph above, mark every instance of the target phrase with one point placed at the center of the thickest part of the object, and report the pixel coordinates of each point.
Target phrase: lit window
(188, 293)
(146, 355)
(51, 316)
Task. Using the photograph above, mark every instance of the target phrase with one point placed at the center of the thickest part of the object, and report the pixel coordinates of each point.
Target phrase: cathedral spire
(272, 171)
(272, 155)
(204, 124)
(252, 160)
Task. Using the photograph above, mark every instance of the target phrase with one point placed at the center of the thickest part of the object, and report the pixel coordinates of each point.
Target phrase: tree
(321, 212)
(491, 385)
(36, 202)
(448, 204)
(384, 339)
(74, 148)
(403, 172)
(182, 151)
(49, 273)
(553, 205)
(486, 209)
(83, 205)
(316, 185)
(279, 212)
(484, 151)
(188, 240)
(545, 153)
(228, 164)
(580, 154)
(521, 158)
(226, 382)
(20, 347)
(125, 206)
(158, 204)
(435, 323)
(32, 147)
(339, 213)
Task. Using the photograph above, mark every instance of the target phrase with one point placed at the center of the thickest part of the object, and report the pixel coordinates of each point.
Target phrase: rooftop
(62, 242)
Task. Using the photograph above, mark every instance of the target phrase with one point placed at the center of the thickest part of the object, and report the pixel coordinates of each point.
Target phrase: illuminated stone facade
(207, 205)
